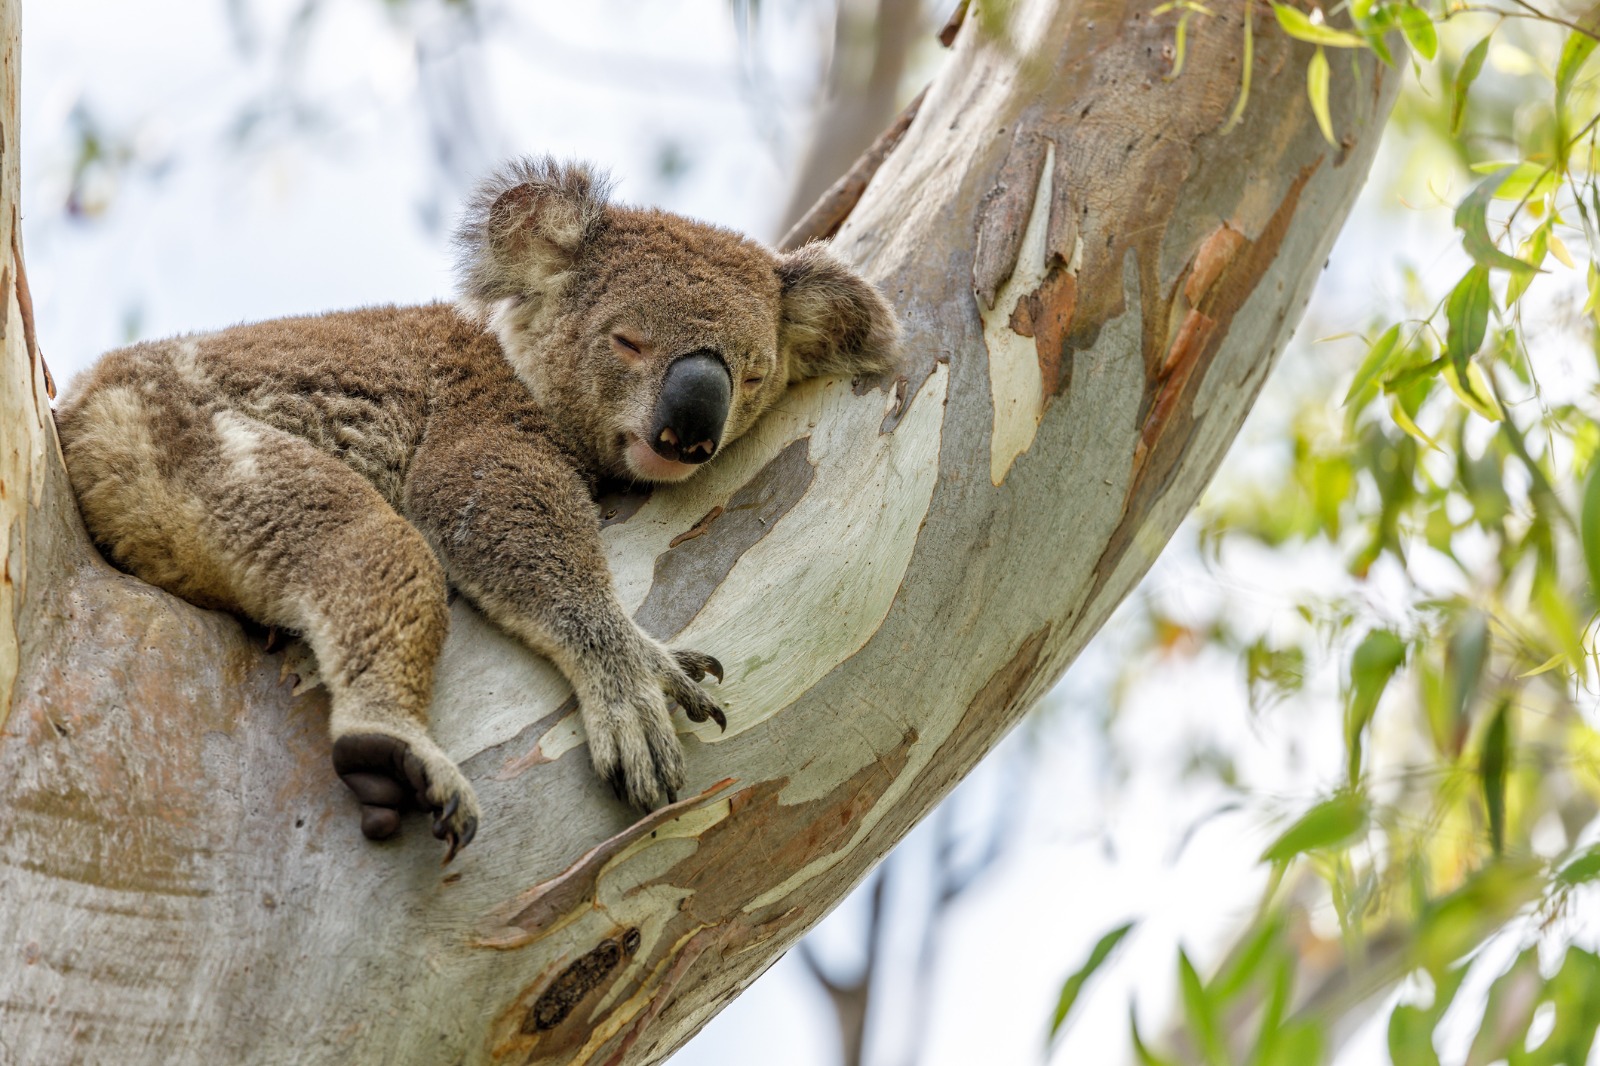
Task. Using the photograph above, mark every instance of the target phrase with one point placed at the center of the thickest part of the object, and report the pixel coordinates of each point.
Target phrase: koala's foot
(631, 739)
(390, 775)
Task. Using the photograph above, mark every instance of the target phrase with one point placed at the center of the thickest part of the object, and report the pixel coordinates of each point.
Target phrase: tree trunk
(1094, 279)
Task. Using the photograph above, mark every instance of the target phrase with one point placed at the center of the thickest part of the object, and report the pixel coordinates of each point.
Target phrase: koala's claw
(388, 777)
(697, 664)
(684, 691)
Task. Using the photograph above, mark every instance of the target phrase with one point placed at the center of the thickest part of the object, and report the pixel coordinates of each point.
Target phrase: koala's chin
(645, 465)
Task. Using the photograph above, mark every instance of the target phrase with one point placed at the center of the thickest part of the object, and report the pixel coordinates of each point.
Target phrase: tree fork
(1094, 279)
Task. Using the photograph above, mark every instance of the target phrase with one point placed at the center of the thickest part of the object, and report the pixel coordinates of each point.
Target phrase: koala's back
(161, 437)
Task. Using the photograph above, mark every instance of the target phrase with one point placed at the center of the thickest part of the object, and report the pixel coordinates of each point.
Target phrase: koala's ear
(833, 320)
(525, 223)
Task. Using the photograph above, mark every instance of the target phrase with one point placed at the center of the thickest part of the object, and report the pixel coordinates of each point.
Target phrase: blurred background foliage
(1445, 490)
(1325, 790)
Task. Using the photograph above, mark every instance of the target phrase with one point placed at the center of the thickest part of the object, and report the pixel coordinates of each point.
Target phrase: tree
(1096, 265)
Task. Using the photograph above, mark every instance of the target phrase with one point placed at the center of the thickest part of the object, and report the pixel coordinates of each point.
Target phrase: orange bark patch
(1045, 314)
(698, 529)
(1214, 256)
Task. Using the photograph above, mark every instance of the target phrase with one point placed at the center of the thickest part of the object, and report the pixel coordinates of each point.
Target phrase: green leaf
(1581, 870)
(1472, 219)
(1376, 362)
(1574, 54)
(1464, 659)
(1299, 26)
(1525, 180)
(1458, 923)
(1246, 960)
(1575, 992)
(1532, 253)
(1418, 28)
(1200, 1014)
(1411, 1027)
(1589, 527)
(1317, 90)
(1471, 65)
(1467, 312)
(1376, 659)
(1493, 762)
(1296, 1044)
(1244, 76)
(1075, 983)
(1142, 1054)
(1329, 824)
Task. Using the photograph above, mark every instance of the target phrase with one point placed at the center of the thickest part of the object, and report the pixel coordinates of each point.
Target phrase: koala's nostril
(692, 407)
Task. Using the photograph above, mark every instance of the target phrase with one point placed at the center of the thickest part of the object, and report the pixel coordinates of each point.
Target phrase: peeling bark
(1094, 280)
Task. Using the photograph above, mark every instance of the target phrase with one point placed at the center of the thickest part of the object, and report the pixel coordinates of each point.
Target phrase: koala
(334, 475)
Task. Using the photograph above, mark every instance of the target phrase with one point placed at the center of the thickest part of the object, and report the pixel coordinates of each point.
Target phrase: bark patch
(699, 560)
(543, 906)
(1046, 315)
(578, 980)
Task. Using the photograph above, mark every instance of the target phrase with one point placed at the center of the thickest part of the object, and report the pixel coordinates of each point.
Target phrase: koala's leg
(228, 512)
(518, 532)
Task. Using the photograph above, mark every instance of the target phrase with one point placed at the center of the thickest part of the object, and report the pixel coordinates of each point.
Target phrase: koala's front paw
(631, 739)
(389, 775)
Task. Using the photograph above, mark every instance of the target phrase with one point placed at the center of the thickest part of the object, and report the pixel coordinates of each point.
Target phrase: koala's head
(652, 339)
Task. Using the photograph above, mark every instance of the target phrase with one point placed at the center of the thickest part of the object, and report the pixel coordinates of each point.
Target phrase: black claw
(469, 830)
(714, 668)
(455, 846)
(718, 717)
(617, 789)
(672, 796)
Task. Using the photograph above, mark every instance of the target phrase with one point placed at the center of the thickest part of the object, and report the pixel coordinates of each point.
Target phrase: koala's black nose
(692, 408)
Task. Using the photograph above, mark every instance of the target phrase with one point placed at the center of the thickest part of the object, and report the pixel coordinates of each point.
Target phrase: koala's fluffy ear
(524, 224)
(833, 321)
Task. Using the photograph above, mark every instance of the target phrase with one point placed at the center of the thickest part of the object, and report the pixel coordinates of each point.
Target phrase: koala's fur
(329, 475)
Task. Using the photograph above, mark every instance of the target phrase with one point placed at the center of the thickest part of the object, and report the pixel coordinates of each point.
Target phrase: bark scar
(546, 905)
(25, 305)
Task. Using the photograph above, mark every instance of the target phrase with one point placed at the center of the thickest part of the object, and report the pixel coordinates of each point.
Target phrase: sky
(246, 186)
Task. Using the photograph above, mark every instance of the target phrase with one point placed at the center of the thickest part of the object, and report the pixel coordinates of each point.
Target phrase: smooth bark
(1094, 278)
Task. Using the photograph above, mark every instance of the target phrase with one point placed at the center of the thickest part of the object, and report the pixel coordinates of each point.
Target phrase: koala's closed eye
(631, 349)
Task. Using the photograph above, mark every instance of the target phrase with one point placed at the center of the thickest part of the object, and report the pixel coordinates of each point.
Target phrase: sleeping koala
(329, 475)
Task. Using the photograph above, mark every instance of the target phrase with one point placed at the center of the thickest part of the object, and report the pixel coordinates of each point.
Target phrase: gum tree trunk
(1095, 278)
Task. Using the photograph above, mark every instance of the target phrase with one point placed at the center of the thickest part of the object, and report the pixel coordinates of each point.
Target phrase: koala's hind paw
(682, 687)
(389, 776)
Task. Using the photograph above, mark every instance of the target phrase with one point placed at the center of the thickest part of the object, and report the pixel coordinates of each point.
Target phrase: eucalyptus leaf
(1471, 66)
(1073, 985)
(1298, 24)
(1493, 762)
(1200, 1014)
(1376, 362)
(1331, 823)
(1467, 315)
(1418, 28)
(1472, 219)
(1317, 90)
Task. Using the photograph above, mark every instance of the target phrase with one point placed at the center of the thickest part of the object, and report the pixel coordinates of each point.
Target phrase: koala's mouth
(645, 465)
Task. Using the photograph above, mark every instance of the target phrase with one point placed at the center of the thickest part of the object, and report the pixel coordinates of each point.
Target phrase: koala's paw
(634, 747)
(389, 774)
(631, 739)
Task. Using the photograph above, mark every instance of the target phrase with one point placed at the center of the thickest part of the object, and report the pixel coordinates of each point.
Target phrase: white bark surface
(1094, 280)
